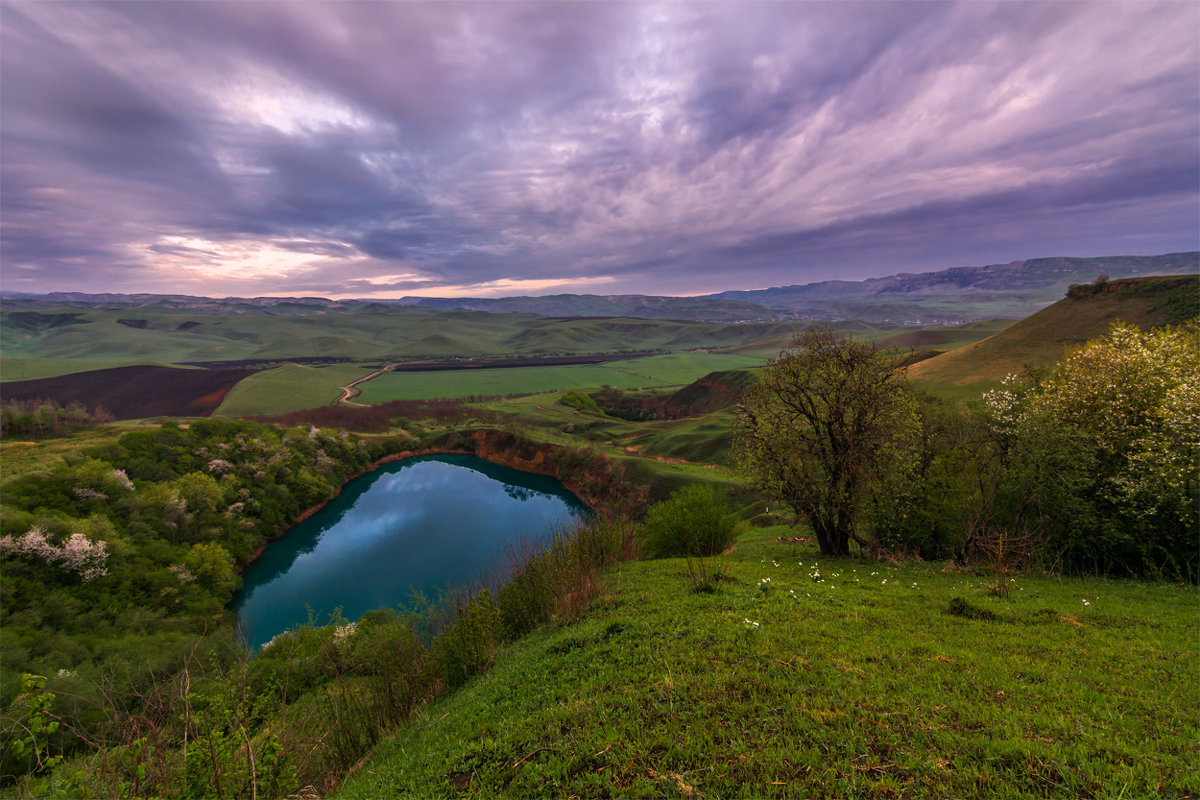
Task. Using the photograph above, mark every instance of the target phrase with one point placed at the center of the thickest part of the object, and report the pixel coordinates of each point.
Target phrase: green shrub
(695, 521)
(580, 402)
(468, 645)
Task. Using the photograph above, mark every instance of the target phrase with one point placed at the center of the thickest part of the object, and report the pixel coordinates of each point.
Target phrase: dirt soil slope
(135, 392)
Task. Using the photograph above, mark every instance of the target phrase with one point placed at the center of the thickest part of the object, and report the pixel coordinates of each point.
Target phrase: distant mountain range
(951, 296)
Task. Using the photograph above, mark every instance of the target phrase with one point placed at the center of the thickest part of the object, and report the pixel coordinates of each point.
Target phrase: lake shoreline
(482, 451)
(419, 526)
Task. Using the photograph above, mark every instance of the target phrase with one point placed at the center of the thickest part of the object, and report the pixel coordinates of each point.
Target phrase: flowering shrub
(1108, 441)
(219, 465)
(1133, 400)
(122, 479)
(78, 554)
(32, 545)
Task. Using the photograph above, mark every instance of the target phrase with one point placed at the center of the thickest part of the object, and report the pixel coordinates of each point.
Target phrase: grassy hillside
(174, 336)
(845, 678)
(290, 387)
(1041, 339)
(946, 338)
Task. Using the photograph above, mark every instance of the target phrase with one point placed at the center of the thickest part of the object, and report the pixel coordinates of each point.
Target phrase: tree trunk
(833, 538)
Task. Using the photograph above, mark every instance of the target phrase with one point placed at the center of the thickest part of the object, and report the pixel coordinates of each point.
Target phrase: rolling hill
(178, 336)
(960, 294)
(1041, 340)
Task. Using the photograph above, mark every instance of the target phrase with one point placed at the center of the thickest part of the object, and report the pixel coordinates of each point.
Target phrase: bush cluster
(695, 521)
(41, 419)
(581, 402)
(117, 562)
(1090, 467)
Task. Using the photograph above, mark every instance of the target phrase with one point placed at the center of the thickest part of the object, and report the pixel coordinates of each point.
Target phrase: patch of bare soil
(135, 392)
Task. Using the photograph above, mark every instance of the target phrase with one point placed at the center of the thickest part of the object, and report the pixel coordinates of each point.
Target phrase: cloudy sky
(350, 149)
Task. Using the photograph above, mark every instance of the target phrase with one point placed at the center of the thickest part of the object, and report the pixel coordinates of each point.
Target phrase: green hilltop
(1038, 341)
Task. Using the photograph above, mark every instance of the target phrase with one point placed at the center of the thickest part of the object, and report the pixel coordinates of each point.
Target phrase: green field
(808, 677)
(655, 371)
(290, 387)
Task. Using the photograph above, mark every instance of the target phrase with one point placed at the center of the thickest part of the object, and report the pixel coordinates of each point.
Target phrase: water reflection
(422, 524)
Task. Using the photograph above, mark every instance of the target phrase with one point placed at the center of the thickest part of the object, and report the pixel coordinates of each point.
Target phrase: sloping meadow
(802, 677)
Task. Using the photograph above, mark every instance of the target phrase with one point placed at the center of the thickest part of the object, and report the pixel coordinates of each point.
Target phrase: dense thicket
(40, 418)
(694, 521)
(1089, 467)
(117, 563)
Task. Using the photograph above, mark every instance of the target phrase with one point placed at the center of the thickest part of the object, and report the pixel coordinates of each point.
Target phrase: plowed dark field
(134, 392)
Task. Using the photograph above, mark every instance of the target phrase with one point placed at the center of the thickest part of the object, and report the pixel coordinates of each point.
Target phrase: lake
(420, 525)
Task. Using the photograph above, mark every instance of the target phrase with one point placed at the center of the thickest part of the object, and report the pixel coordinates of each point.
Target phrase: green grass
(853, 684)
(290, 387)
(703, 440)
(655, 371)
(18, 456)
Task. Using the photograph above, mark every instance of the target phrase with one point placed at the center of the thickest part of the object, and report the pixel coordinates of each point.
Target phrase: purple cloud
(384, 148)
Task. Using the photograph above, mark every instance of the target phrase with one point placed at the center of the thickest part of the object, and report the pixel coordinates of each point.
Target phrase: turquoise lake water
(425, 524)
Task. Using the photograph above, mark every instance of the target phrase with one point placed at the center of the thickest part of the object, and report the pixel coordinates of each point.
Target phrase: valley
(607, 400)
(690, 665)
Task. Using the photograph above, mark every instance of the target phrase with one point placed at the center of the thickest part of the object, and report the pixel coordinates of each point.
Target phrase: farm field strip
(655, 371)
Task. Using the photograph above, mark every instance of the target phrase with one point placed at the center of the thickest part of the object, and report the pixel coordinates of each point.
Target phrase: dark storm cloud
(369, 148)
